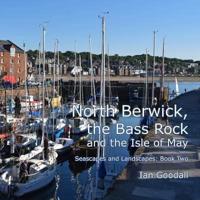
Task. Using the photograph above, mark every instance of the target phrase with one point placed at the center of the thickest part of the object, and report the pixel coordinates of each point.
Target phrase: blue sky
(130, 24)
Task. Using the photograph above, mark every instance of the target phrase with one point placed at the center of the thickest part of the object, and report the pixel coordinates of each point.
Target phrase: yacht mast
(146, 81)
(109, 81)
(154, 63)
(43, 84)
(12, 55)
(39, 74)
(54, 71)
(75, 58)
(162, 73)
(93, 93)
(25, 76)
(80, 81)
(102, 99)
(54, 86)
(58, 66)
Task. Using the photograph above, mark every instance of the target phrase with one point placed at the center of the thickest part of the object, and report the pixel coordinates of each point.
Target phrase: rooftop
(5, 45)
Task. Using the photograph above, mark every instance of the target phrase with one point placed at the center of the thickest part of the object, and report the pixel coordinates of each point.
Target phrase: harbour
(99, 100)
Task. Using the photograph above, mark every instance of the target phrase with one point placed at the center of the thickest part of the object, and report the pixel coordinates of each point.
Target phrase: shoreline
(133, 79)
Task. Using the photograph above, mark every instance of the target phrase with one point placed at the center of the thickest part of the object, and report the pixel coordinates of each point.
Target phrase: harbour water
(72, 177)
(188, 86)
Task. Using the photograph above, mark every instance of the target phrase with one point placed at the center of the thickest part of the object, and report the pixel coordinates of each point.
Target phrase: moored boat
(62, 145)
(17, 183)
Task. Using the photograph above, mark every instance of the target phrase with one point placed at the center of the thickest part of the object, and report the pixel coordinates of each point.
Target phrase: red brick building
(12, 60)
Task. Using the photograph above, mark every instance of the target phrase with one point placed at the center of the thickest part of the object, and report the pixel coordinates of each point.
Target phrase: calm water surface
(182, 86)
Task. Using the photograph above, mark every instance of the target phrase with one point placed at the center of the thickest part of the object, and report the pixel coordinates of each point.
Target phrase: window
(18, 70)
(18, 55)
(18, 61)
(12, 52)
(1, 60)
(11, 61)
(1, 53)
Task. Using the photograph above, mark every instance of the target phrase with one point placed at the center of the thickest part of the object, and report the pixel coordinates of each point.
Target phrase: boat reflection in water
(81, 149)
(77, 167)
(48, 193)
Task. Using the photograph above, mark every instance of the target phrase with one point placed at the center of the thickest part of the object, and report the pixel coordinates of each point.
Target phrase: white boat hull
(21, 189)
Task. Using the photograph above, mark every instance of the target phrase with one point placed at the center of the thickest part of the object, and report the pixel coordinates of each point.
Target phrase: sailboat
(34, 170)
(53, 123)
(16, 143)
(176, 87)
(40, 174)
(62, 145)
(98, 187)
(78, 124)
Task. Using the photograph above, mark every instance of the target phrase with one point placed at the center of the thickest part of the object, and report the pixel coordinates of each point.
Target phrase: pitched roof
(6, 44)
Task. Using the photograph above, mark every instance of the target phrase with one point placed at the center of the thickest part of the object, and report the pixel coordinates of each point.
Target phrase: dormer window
(12, 52)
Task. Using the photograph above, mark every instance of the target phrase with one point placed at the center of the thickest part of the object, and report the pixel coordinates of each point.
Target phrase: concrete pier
(130, 186)
(130, 79)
